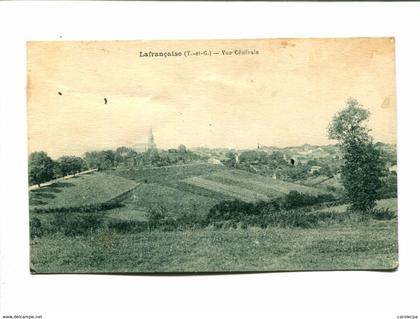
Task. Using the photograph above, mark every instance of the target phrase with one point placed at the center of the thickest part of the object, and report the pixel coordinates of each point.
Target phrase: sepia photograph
(209, 156)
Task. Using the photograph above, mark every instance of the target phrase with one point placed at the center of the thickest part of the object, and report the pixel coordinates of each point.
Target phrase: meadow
(84, 190)
(370, 245)
(166, 174)
(161, 225)
(247, 186)
(199, 186)
(169, 200)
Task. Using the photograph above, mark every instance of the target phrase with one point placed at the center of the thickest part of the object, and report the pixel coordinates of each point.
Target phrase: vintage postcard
(212, 155)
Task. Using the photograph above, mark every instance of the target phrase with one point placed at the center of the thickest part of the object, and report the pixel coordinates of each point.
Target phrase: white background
(282, 295)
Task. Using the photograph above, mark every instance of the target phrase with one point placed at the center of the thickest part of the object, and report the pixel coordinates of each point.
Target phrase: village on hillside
(213, 163)
(306, 164)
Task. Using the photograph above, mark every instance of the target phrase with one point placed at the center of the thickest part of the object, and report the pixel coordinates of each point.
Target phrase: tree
(64, 164)
(92, 159)
(182, 149)
(249, 156)
(71, 165)
(56, 169)
(125, 155)
(276, 159)
(151, 156)
(41, 168)
(230, 160)
(106, 160)
(326, 170)
(102, 160)
(363, 164)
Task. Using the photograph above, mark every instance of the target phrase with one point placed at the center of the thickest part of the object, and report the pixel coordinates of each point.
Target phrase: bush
(76, 224)
(230, 210)
(190, 220)
(330, 216)
(279, 211)
(295, 199)
(331, 188)
(36, 229)
(92, 208)
(155, 214)
(235, 214)
(120, 226)
(167, 224)
(383, 214)
(299, 219)
(127, 226)
(389, 188)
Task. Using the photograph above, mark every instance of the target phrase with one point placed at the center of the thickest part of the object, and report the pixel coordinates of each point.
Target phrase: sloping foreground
(371, 245)
(92, 189)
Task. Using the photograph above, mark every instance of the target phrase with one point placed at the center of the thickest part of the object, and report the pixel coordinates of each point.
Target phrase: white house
(314, 169)
(214, 161)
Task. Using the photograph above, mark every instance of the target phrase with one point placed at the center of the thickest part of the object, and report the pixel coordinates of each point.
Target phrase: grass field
(194, 189)
(186, 189)
(372, 245)
(324, 182)
(82, 190)
(247, 186)
(164, 175)
(168, 199)
(237, 192)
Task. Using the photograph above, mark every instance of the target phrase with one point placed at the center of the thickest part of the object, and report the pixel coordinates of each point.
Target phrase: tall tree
(363, 164)
(92, 159)
(125, 155)
(41, 168)
(71, 165)
(101, 160)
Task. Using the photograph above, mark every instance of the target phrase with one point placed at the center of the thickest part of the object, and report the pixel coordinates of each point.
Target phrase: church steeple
(151, 141)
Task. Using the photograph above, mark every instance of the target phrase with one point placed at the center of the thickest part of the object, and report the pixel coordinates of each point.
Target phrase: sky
(284, 96)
